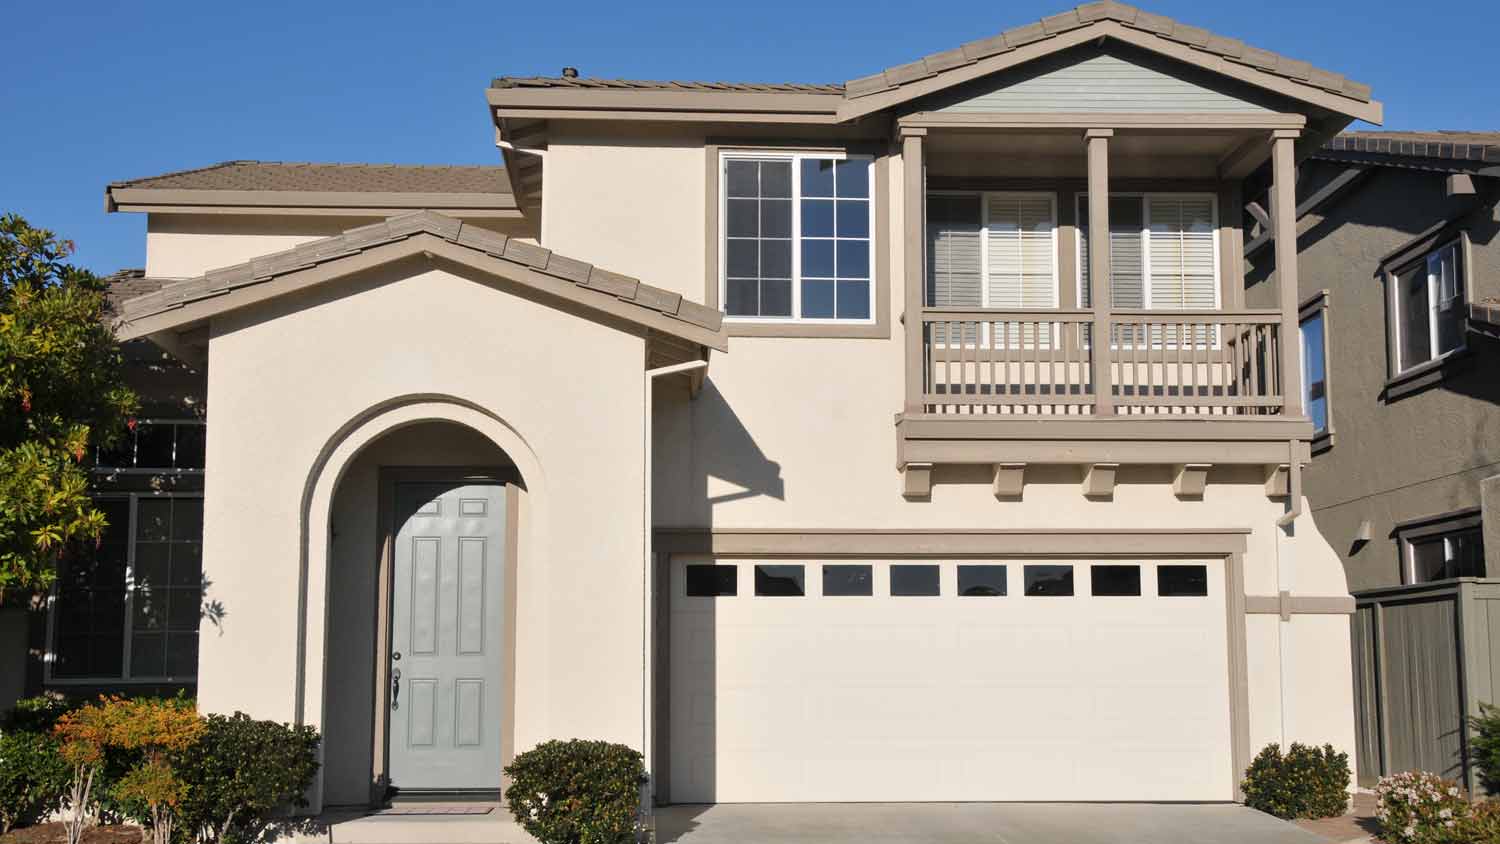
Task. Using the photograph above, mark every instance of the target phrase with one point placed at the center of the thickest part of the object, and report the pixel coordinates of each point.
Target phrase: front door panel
(447, 631)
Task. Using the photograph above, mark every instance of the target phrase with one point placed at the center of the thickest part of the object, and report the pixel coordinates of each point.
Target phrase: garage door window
(981, 581)
(1182, 581)
(1115, 581)
(847, 581)
(1049, 581)
(914, 581)
(780, 582)
(711, 581)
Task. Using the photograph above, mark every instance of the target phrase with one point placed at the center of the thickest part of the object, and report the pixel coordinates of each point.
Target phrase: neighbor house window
(156, 446)
(1443, 547)
(1428, 313)
(1314, 322)
(1163, 251)
(127, 610)
(796, 237)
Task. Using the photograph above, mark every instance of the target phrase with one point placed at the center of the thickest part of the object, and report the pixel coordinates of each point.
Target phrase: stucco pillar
(914, 227)
(1284, 221)
(1099, 269)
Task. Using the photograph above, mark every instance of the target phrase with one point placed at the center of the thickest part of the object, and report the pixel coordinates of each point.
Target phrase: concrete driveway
(967, 823)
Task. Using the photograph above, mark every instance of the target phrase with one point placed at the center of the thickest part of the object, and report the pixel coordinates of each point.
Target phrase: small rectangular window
(918, 581)
(711, 581)
(780, 581)
(847, 581)
(1115, 581)
(1182, 581)
(981, 581)
(1315, 370)
(1443, 547)
(1049, 580)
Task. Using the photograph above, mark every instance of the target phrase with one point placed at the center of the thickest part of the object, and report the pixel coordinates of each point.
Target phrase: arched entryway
(423, 526)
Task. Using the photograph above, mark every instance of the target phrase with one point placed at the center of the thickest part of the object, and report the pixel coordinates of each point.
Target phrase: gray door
(447, 632)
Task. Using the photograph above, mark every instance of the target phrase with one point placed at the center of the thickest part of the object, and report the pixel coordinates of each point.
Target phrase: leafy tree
(61, 393)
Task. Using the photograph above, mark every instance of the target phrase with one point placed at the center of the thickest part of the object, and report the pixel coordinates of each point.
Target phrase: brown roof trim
(670, 103)
(1447, 150)
(1092, 14)
(219, 291)
(247, 186)
(664, 85)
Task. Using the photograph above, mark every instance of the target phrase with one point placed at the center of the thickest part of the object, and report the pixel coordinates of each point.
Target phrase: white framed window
(127, 610)
(1163, 251)
(796, 237)
(1313, 322)
(1427, 308)
(1442, 548)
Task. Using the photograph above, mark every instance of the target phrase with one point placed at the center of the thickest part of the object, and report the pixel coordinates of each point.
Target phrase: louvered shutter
(1021, 253)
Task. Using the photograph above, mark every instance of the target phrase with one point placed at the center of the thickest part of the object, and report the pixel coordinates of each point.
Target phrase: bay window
(796, 237)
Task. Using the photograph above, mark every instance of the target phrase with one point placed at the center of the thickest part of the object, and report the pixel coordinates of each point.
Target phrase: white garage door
(801, 681)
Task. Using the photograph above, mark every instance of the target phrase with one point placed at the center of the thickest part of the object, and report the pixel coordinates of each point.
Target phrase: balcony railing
(1044, 363)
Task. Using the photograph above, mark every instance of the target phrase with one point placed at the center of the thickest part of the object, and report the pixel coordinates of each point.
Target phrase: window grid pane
(758, 238)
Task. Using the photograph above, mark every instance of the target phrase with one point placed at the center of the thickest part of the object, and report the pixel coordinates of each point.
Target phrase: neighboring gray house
(1400, 286)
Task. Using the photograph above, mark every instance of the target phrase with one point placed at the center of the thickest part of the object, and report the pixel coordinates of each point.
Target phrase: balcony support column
(1099, 270)
(914, 228)
(1284, 230)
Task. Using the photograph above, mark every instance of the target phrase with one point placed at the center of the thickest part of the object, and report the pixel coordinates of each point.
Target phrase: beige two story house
(908, 439)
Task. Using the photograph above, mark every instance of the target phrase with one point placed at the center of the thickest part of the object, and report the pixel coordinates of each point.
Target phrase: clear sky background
(94, 91)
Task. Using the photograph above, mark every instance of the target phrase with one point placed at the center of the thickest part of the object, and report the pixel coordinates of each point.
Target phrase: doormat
(437, 810)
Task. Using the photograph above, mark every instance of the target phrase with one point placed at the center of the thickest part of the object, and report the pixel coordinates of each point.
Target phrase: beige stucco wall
(563, 396)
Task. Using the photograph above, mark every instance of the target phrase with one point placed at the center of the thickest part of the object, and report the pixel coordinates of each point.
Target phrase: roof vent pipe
(570, 73)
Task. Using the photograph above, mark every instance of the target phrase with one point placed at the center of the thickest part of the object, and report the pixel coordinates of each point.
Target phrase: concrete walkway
(970, 823)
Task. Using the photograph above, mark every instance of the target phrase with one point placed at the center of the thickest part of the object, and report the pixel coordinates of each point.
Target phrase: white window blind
(1021, 251)
(1180, 243)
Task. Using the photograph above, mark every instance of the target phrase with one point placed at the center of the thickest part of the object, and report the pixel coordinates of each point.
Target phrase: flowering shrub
(1305, 782)
(1420, 808)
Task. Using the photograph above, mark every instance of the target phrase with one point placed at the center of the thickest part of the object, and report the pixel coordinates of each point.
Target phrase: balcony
(999, 215)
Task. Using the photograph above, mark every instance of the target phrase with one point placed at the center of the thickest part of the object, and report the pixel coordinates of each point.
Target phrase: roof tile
(1159, 24)
(614, 284)
(334, 178)
(983, 48)
(947, 60)
(1482, 147)
(1023, 35)
(909, 72)
(1062, 22)
(526, 253)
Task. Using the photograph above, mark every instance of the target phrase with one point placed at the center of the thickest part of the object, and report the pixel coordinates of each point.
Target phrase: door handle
(395, 688)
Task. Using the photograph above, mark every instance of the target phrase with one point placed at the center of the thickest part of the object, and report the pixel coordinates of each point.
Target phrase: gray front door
(447, 632)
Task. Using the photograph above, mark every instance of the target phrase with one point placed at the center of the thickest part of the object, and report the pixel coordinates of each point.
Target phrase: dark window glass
(1115, 581)
(817, 299)
(854, 300)
(191, 441)
(817, 177)
(711, 581)
(1182, 581)
(842, 581)
(780, 581)
(776, 219)
(1314, 372)
(1456, 554)
(817, 217)
(914, 581)
(981, 581)
(1049, 580)
(1414, 313)
(854, 218)
(758, 232)
(776, 297)
(153, 445)
(817, 259)
(853, 259)
(854, 177)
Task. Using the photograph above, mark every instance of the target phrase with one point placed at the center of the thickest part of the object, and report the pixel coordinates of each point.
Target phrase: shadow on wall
(700, 439)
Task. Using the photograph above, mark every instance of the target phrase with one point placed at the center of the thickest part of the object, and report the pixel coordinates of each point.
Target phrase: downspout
(647, 569)
(1293, 486)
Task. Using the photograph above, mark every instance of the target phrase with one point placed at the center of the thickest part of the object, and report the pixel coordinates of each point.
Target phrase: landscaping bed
(52, 833)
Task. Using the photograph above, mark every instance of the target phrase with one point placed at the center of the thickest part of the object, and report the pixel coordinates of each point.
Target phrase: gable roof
(473, 189)
(180, 304)
(535, 97)
(1231, 49)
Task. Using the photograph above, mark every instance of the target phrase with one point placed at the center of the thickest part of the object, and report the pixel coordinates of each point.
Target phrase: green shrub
(1482, 825)
(1485, 746)
(1421, 808)
(577, 792)
(32, 777)
(1305, 782)
(38, 714)
(239, 772)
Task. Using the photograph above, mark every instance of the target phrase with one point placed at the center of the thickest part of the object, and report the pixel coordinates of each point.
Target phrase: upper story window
(992, 250)
(1163, 251)
(1314, 324)
(157, 446)
(1442, 548)
(1427, 308)
(796, 237)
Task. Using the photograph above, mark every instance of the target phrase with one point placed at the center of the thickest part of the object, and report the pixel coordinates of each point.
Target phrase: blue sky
(98, 91)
